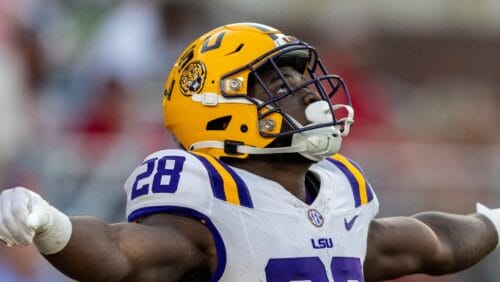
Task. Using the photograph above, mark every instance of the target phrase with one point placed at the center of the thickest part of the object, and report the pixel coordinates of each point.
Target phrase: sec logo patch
(315, 217)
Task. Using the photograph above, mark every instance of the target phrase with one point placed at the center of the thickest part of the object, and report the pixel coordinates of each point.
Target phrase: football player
(259, 191)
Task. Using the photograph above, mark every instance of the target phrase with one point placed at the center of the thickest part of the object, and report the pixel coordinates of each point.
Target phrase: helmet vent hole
(219, 123)
(244, 128)
(236, 50)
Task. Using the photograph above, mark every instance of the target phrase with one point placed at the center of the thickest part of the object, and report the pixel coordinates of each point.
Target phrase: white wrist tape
(493, 215)
(53, 228)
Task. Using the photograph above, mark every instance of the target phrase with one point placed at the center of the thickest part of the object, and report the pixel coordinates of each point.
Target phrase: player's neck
(287, 170)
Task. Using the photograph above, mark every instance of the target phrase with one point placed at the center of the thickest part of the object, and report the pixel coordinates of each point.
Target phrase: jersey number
(164, 180)
(344, 269)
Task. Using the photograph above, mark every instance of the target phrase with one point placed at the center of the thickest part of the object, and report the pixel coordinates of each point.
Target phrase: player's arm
(432, 242)
(132, 252)
(87, 249)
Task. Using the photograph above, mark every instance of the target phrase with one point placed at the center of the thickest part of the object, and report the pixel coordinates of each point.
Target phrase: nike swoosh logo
(350, 223)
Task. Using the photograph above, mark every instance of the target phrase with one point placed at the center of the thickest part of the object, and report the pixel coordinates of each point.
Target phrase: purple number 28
(344, 269)
(168, 168)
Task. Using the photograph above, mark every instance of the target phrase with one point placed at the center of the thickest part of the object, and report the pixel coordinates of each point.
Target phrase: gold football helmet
(207, 107)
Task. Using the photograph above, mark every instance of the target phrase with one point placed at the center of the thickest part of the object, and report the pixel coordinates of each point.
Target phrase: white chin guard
(319, 143)
(322, 142)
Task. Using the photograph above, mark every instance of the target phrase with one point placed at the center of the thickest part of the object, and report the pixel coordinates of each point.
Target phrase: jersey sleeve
(168, 181)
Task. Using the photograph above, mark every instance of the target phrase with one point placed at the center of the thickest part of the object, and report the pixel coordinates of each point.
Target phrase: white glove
(493, 215)
(25, 218)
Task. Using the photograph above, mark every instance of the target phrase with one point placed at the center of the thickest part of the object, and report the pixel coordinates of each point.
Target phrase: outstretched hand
(26, 218)
(23, 214)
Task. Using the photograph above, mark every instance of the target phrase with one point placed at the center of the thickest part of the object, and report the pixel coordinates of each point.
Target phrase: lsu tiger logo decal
(193, 78)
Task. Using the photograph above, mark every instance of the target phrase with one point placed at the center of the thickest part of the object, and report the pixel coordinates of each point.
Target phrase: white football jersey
(261, 231)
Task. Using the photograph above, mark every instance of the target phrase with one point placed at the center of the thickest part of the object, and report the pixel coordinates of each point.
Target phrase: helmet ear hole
(219, 123)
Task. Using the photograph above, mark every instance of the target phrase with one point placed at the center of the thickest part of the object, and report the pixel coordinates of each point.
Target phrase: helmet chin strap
(315, 144)
(244, 149)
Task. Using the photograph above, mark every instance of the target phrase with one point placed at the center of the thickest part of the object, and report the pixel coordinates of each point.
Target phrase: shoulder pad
(165, 179)
(176, 178)
(361, 189)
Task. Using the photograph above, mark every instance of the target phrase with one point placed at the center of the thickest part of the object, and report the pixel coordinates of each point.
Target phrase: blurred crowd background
(81, 84)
